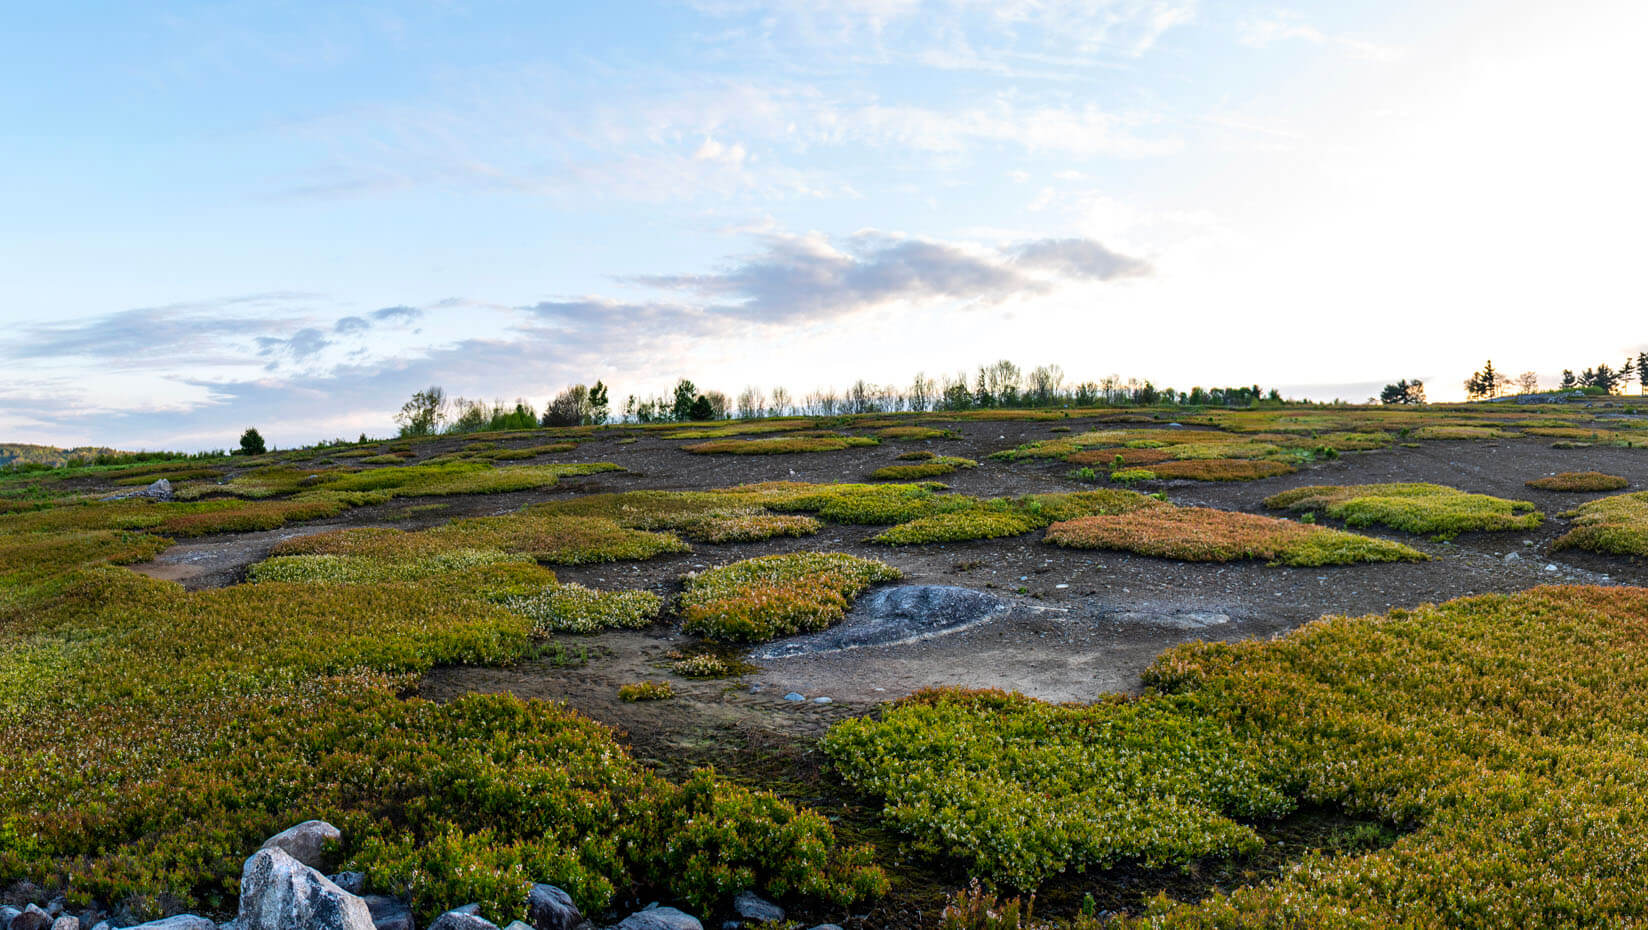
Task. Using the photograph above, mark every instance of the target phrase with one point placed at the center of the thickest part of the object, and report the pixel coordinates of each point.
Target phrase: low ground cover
(930, 467)
(1579, 481)
(156, 734)
(761, 599)
(550, 538)
(1615, 525)
(1201, 534)
(912, 432)
(1503, 732)
(1218, 469)
(1414, 508)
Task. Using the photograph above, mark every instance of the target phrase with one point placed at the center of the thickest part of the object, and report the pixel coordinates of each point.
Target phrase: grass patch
(1200, 534)
(1579, 481)
(646, 691)
(1414, 508)
(762, 599)
(748, 527)
(1010, 516)
(1119, 455)
(545, 537)
(930, 468)
(573, 608)
(913, 432)
(1462, 432)
(1615, 525)
(1220, 470)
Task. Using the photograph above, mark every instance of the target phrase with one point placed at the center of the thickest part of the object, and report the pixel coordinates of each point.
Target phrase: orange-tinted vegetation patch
(1579, 481)
(1221, 469)
(1128, 456)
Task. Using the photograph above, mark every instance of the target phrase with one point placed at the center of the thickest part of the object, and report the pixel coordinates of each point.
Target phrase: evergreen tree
(701, 409)
(251, 442)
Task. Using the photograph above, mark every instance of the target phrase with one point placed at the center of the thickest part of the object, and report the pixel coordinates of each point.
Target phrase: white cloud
(1266, 31)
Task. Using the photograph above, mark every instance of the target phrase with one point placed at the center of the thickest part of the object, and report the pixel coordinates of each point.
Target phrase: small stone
(177, 922)
(795, 696)
(352, 882)
(821, 700)
(102, 925)
(752, 906)
(1512, 557)
(517, 925)
(66, 922)
(1550, 568)
(389, 913)
(34, 917)
(827, 927)
(551, 908)
(467, 917)
(659, 918)
(1061, 586)
(306, 842)
(7, 914)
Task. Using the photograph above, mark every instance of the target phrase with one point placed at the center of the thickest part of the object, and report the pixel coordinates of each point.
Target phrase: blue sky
(294, 214)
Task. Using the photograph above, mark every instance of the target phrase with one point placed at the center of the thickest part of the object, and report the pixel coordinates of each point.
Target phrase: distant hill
(22, 453)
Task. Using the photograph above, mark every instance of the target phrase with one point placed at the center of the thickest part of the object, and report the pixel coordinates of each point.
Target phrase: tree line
(1488, 382)
(1003, 384)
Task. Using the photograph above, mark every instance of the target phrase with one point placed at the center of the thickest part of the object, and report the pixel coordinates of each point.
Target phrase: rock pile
(283, 887)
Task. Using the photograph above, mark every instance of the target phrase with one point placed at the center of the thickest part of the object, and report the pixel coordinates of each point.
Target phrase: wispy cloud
(808, 277)
(1283, 27)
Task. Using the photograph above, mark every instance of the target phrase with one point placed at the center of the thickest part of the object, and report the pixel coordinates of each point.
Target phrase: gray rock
(177, 922)
(160, 490)
(822, 700)
(33, 917)
(517, 925)
(66, 922)
(467, 917)
(795, 696)
(827, 927)
(102, 925)
(390, 913)
(306, 842)
(7, 914)
(551, 908)
(891, 616)
(277, 892)
(660, 918)
(352, 882)
(752, 906)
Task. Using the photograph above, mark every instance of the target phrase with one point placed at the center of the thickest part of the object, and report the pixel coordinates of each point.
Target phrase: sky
(292, 215)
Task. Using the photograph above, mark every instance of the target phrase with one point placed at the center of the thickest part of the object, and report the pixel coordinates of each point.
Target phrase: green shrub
(1615, 525)
(572, 608)
(764, 598)
(646, 691)
(1414, 508)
